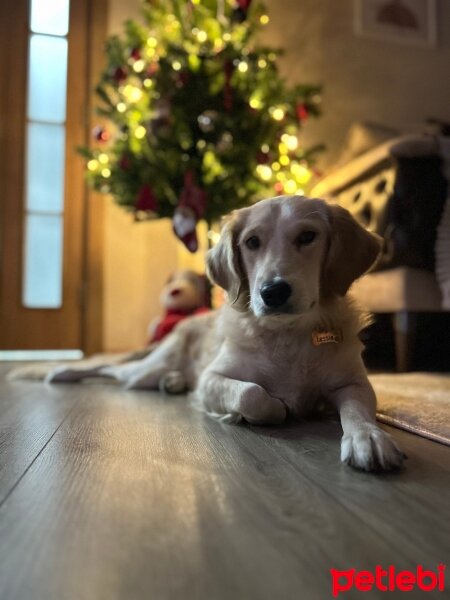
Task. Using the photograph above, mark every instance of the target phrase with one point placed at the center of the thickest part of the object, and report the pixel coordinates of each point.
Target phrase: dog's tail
(35, 372)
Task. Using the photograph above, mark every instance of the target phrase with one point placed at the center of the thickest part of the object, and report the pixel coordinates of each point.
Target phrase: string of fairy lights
(139, 115)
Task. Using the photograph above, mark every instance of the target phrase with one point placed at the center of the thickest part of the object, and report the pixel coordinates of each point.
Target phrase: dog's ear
(224, 264)
(352, 250)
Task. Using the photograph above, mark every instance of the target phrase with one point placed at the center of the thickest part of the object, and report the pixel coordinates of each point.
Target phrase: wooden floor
(107, 494)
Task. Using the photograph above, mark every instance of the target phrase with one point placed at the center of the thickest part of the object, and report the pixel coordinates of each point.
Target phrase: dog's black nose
(275, 293)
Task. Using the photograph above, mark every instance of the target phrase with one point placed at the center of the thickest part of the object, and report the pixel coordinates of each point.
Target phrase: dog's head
(284, 255)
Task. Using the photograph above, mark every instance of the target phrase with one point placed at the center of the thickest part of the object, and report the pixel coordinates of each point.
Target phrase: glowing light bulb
(121, 107)
(176, 65)
(277, 114)
(92, 165)
(255, 102)
(290, 186)
(140, 132)
(138, 66)
(226, 37)
(152, 42)
(265, 148)
(262, 63)
(265, 172)
(276, 166)
(202, 36)
(284, 160)
(243, 67)
(148, 83)
(106, 172)
(301, 173)
(290, 141)
(132, 93)
(264, 19)
(103, 158)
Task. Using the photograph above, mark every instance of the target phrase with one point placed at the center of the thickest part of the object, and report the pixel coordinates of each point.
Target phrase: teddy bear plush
(185, 294)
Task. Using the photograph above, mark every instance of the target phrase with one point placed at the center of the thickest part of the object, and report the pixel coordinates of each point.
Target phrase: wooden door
(45, 308)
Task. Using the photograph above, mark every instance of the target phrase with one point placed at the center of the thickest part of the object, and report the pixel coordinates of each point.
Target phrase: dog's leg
(150, 372)
(231, 400)
(364, 445)
(66, 374)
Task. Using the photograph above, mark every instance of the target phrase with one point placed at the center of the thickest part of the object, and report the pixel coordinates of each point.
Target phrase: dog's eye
(253, 242)
(305, 238)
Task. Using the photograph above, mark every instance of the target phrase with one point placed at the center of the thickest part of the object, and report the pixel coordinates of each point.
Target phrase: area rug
(416, 402)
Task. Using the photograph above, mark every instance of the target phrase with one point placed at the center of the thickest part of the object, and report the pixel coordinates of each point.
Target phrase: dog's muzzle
(275, 293)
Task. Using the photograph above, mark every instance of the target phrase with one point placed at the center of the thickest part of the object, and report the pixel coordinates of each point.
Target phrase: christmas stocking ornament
(190, 209)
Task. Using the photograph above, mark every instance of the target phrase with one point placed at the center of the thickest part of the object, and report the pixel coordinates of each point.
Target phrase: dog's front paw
(371, 449)
(172, 382)
(258, 408)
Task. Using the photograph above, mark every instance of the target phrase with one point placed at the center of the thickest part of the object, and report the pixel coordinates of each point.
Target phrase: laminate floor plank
(137, 496)
(408, 509)
(29, 416)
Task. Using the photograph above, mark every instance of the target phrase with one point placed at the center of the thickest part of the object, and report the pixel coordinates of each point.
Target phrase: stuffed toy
(185, 294)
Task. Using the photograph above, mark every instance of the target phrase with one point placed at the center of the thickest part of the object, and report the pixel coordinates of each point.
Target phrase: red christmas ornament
(152, 69)
(135, 54)
(100, 134)
(182, 78)
(262, 158)
(146, 200)
(119, 74)
(244, 4)
(302, 112)
(279, 187)
(190, 209)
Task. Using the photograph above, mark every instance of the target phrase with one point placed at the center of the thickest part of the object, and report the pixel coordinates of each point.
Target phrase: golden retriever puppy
(288, 337)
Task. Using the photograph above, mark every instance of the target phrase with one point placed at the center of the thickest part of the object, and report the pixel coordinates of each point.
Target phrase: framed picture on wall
(404, 21)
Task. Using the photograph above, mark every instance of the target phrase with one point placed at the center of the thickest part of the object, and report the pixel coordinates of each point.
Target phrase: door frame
(89, 213)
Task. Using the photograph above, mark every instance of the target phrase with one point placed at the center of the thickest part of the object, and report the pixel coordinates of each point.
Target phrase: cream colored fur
(251, 362)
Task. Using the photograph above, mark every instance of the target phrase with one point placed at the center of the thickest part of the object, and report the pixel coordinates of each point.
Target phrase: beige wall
(138, 257)
(363, 79)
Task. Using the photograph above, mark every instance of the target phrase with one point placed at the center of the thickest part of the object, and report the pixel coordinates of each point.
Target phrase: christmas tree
(198, 119)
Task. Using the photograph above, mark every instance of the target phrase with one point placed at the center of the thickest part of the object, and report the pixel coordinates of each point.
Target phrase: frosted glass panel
(50, 16)
(47, 79)
(45, 167)
(43, 262)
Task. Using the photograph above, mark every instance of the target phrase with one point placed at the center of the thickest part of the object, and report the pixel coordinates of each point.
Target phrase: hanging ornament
(119, 74)
(100, 134)
(207, 120)
(302, 112)
(135, 53)
(239, 14)
(152, 69)
(262, 158)
(225, 142)
(182, 78)
(244, 4)
(160, 125)
(146, 200)
(190, 209)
